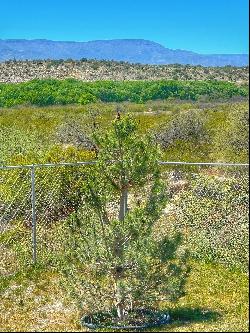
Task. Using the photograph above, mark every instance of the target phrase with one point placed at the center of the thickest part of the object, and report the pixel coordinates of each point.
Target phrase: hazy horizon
(114, 39)
(207, 27)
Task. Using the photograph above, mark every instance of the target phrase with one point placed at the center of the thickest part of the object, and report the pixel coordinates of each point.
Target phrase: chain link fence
(33, 201)
(208, 202)
(209, 205)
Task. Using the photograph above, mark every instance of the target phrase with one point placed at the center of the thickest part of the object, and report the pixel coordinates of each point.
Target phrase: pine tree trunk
(120, 302)
(123, 204)
(120, 311)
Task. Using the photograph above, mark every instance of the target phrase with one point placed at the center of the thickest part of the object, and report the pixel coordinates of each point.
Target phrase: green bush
(70, 91)
(187, 126)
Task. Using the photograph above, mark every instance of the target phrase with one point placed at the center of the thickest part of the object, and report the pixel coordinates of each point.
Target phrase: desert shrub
(187, 126)
(72, 133)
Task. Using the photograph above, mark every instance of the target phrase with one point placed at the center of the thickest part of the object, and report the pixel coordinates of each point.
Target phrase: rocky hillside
(93, 70)
(130, 50)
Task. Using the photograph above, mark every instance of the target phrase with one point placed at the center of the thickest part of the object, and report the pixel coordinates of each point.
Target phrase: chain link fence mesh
(207, 204)
(58, 194)
(15, 219)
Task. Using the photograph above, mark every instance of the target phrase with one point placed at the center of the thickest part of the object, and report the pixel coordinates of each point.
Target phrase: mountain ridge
(129, 50)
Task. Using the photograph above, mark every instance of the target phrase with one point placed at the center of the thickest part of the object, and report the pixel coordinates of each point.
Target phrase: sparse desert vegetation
(95, 70)
(186, 130)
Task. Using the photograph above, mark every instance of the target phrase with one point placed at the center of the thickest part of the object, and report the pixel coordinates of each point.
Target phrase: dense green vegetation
(70, 91)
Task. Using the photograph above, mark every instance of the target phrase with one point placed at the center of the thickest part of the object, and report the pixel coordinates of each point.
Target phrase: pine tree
(116, 259)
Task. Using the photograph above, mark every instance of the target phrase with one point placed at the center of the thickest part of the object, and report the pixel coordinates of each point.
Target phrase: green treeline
(71, 91)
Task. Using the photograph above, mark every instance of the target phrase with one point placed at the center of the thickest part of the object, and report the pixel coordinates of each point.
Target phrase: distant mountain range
(129, 50)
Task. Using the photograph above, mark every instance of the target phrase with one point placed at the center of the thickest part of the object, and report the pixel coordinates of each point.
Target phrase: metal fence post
(126, 202)
(33, 207)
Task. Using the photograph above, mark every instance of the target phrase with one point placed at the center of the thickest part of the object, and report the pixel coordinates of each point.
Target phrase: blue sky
(205, 26)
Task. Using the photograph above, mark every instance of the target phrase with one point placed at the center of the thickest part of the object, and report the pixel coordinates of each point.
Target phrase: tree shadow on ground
(186, 315)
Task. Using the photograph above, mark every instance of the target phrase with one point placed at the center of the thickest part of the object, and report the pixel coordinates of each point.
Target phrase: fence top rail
(32, 166)
(46, 165)
(204, 163)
